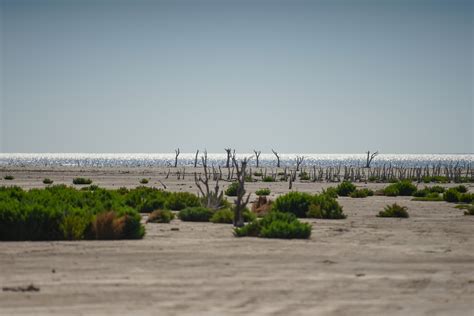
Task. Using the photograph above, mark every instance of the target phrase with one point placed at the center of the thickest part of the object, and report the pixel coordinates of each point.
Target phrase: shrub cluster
(276, 225)
(268, 179)
(62, 213)
(306, 205)
(458, 194)
(81, 181)
(403, 188)
(345, 188)
(394, 210)
(160, 216)
(195, 214)
(47, 181)
(362, 193)
(180, 200)
(144, 181)
(232, 189)
(9, 177)
(262, 192)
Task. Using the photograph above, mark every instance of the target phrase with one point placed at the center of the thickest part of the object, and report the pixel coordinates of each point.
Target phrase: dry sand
(363, 265)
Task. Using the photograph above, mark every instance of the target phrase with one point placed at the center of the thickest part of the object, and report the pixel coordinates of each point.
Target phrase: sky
(298, 76)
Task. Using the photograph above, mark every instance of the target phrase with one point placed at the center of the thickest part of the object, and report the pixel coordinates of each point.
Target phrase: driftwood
(257, 156)
(196, 158)
(277, 157)
(213, 199)
(370, 157)
(240, 202)
(176, 157)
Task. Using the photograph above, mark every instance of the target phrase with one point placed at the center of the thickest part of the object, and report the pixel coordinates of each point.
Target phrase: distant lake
(187, 159)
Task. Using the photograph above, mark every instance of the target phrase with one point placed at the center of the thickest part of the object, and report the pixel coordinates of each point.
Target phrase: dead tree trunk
(212, 199)
(240, 202)
(370, 158)
(299, 161)
(277, 157)
(176, 157)
(228, 151)
(196, 158)
(257, 156)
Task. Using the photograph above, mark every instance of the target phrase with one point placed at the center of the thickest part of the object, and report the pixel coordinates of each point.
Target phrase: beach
(363, 265)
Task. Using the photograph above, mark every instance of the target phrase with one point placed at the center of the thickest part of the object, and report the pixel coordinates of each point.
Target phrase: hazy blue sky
(298, 76)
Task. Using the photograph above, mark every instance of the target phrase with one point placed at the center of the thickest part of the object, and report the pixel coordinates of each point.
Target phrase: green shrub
(470, 210)
(460, 188)
(195, 214)
(257, 174)
(421, 193)
(394, 210)
(63, 213)
(391, 190)
(81, 181)
(362, 193)
(248, 215)
(331, 191)
(431, 197)
(261, 192)
(466, 197)
(47, 181)
(436, 189)
(405, 188)
(325, 206)
(180, 200)
(293, 202)
(224, 216)
(276, 225)
(345, 188)
(160, 216)
(9, 177)
(451, 195)
(304, 176)
(145, 199)
(268, 179)
(232, 189)
(144, 181)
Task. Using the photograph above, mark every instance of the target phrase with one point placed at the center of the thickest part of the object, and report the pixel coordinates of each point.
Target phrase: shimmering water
(187, 159)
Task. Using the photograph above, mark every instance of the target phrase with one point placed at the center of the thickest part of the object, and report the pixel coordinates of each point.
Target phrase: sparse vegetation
(268, 179)
(9, 177)
(263, 192)
(458, 194)
(345, 188)
(361, 193)
(403, 188)
(225, 216)
(276, 225)
(431, 197)
(81, 181)
(232, 189)
(195, 214)
(144, 181)
(394, 210)
(180, 200)
(293, 202)
(470, 210)
(326, 207)
(160, 216)
(47, 181)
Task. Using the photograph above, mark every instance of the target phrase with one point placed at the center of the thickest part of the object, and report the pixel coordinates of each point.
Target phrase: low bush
(431, 197)
(64, 213)
(262, 192)
(268, 179)
(145, 199)
(361, 193)
(257, 174)
(160, 216)
(9, 177)
(331, 191)
(394, 210)
(436, 189)
(144, 181)
(470, 210)
(326, 207)
(180, 200)
(403, 188)
(195, 214)
(345, 188)
(276, 225)
(304, 176)
(451, 195)
(460, 188)
(81, 181)
(225, 216)
(47, 181)
(391, 190)
(293, 202)
(232, 189)
(466, 198)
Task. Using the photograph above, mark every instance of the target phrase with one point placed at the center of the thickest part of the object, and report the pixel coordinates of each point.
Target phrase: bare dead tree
(213, 198)
(299, 161)
(228, 151)
(240, 202)
(370, 157)
(257, 156)
(277, 157)
(176, 157)
(196, 158)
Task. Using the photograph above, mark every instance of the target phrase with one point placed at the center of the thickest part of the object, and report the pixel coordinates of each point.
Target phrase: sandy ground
(363, 265)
